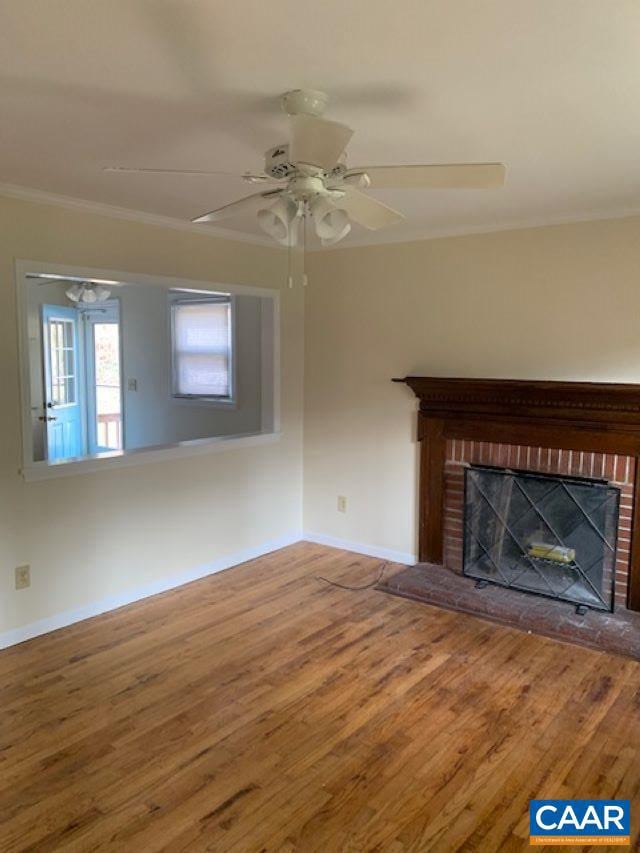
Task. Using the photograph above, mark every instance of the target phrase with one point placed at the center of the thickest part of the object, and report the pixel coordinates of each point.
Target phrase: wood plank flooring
(262, 710)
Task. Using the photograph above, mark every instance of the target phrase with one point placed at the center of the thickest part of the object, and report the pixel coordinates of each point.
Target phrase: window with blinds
(202, 348)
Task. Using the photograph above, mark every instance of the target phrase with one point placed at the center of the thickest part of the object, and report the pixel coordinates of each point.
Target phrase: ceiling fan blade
(451, 176)
(61, 279)
(248, 204)
(367, 211)
(317, 141)
(201, 172)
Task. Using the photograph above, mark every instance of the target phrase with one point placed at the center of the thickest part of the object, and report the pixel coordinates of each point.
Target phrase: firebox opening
(540, 533)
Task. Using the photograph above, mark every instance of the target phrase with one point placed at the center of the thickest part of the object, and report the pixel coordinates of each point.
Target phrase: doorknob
(47, 418)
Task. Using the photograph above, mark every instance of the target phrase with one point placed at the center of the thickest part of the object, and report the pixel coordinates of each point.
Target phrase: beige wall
(95, 535)
(550, 303)
(556, 303)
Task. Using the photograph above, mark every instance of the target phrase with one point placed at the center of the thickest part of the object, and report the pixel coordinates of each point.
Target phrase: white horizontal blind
(202, 349)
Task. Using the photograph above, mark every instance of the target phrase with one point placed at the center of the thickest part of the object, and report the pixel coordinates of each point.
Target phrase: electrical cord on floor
(356, 588)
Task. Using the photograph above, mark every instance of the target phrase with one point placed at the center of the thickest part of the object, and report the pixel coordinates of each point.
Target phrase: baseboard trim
(359, 548)
(104, 605)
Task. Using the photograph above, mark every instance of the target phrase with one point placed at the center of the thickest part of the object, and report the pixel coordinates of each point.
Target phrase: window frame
(229, 401)
(270, 430)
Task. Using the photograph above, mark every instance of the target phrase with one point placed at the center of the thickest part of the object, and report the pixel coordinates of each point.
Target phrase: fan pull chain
(289, 276)
(304, 246)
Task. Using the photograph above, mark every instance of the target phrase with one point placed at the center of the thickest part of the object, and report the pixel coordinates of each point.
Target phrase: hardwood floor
(260, 709)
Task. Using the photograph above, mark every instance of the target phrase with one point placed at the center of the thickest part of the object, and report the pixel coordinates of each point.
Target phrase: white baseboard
(359, 548)
(95, 608)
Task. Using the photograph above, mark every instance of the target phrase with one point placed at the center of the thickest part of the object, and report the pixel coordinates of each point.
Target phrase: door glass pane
(69, 367)
(106, 337)
(63, 362)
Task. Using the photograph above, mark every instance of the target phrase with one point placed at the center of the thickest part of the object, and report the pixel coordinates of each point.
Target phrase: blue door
(63, 411)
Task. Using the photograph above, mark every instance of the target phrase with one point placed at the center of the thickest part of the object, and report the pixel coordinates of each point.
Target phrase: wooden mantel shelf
(596, 417)
(585, 402)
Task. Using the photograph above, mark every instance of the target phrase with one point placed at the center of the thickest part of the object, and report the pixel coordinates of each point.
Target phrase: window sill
(127, 458)
(209, 403)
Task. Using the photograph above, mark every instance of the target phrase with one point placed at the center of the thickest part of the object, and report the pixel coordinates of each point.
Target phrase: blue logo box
(591, 822)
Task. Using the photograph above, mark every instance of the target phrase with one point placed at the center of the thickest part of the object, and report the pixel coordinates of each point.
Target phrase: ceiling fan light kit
(316, 182)
(87, 293)
(279, 221)
(331, 222)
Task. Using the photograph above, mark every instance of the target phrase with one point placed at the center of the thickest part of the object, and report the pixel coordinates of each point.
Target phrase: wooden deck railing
(110, 431)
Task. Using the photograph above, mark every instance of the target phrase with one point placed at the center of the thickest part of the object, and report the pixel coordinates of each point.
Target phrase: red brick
(574, 462)
(454, 470)
(585, 463)
(563, 462)
(622, 465)
(454, 483)
(631, 472)
(547, 458)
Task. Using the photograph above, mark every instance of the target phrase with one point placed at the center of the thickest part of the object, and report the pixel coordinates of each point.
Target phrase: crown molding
(489, 228)
(85, 206)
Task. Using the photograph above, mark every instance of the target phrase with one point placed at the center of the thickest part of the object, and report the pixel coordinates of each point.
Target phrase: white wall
(549, 303)
(103, 534)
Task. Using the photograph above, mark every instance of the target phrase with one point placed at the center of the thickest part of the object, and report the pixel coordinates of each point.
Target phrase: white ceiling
(549, 87)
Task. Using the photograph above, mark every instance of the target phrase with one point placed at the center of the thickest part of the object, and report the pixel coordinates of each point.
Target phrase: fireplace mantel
(594, 403)
(581, 416)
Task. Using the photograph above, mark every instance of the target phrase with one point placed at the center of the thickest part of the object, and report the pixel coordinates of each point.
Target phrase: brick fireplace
(581, 434)
(618, 471)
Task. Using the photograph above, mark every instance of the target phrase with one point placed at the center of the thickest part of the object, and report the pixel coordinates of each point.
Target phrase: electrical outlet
(342, 503)
(132, 385)
(23, 577)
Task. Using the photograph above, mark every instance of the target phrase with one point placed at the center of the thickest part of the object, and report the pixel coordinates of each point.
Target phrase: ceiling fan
(316, 183)
(80, 290)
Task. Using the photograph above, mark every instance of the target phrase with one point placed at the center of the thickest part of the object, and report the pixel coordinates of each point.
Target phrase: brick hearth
(616, 633)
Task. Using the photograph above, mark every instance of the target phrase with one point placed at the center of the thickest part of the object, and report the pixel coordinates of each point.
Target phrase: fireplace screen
(555, 536)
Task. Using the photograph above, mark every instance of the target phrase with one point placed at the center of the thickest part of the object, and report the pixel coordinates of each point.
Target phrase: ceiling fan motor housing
(306, 187)
(277, 164)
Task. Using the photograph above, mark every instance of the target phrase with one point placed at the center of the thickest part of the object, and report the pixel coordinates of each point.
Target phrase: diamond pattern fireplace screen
(551, 535)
